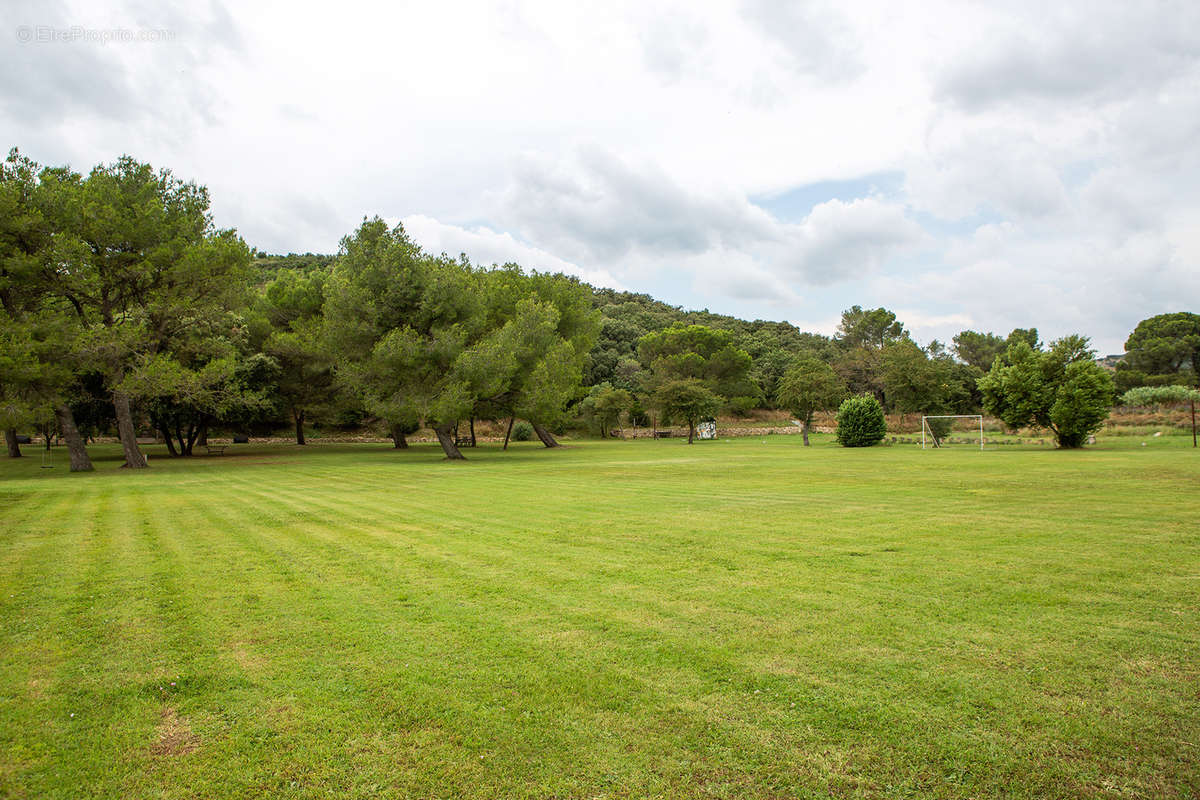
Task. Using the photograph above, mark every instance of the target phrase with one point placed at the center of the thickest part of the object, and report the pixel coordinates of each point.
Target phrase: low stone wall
(722, 431)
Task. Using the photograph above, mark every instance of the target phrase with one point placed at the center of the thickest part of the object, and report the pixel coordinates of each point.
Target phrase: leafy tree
(700, 353)
(151, 279)
(541, 328)
(398, 321)
(860, 421)
(861, 338)
(688, 400)
(1027, 335)
(1061, 389)
(603, 407)
(871, 328)
(292, 304)
(36, 378)
(925, 380)
(1162, 350)
(978, 350)
(808, 386)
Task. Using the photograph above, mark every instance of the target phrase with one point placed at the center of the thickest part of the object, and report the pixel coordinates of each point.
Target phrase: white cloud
(621, 141)
(840, 240)
(488, 247)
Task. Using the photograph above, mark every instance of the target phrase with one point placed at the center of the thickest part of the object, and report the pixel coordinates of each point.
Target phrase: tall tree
(292, 304)
(1162, 350)
(873, 328)
(810, 385)
(689, 400)
(978, 350)
(151, 272)
(539, 331)
(399, 320)
(699, 353)
(861, 338)
(36, 380)
(1061, 389)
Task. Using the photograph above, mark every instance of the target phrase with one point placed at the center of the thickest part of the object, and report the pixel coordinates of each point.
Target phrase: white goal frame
(925, 426)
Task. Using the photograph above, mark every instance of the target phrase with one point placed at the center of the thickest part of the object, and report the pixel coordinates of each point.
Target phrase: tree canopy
(810, 385)
(1061, 389)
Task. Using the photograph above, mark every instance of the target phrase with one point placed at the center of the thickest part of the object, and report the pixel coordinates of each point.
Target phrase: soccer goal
(938, 429)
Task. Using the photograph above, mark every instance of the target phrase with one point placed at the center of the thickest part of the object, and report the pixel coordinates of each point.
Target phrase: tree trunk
(202, 438)
(472, 432)
(804, 428)
(193, 433)
(166, 434)
(445, 435)
(133, 456)
(508, 432)
(10, 439)
(76, 449)
(299, 417)
(545, 435)
(691, 430)
(398, 440)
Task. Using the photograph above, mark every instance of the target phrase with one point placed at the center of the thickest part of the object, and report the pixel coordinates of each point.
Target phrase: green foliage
(603, 406)
(1162, 350)
(873, 328)
(1166, 343)
(1159, 396)
(522, 432)
(808, 386)
(861, 339)
(627, 317)
(689, 400)
(1061, 389)
(697, 353)
(434, 339)
(978, 350)
(924, 380)
(860, 421)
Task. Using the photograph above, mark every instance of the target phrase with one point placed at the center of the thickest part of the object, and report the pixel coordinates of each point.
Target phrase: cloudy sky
(969, 165)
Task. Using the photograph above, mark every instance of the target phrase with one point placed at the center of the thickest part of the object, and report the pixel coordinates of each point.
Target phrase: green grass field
(622, 619)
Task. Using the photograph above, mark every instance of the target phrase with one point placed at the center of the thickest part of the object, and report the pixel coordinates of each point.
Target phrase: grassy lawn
(622, 619)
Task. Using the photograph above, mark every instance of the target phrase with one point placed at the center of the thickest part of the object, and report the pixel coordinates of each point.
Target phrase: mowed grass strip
(646, 619)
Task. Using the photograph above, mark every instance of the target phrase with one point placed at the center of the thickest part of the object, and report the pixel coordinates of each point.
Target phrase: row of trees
(123, 302)
(124, 305)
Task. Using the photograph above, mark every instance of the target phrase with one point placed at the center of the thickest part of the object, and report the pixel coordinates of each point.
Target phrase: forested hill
(628, 316)
(267, 265)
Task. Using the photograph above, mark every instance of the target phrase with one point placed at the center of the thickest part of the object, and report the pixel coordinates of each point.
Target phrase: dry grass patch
(175, 735)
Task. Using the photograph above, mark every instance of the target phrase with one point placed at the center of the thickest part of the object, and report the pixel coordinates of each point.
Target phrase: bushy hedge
(860, 422)
(522, 432)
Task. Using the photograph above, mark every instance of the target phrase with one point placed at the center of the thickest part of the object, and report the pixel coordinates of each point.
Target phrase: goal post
(928, 434)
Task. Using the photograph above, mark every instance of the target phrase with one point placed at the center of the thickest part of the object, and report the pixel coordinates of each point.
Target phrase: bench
(216, 449)
(462, 441)
(663, 434)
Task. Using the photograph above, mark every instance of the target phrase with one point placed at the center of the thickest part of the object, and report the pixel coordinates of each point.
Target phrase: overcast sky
(968, 165)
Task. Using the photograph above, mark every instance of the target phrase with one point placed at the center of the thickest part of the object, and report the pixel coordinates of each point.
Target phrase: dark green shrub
(522, 432)
(860, 422)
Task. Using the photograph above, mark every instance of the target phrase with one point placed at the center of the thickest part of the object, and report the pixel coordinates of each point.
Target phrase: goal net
(941, 430)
